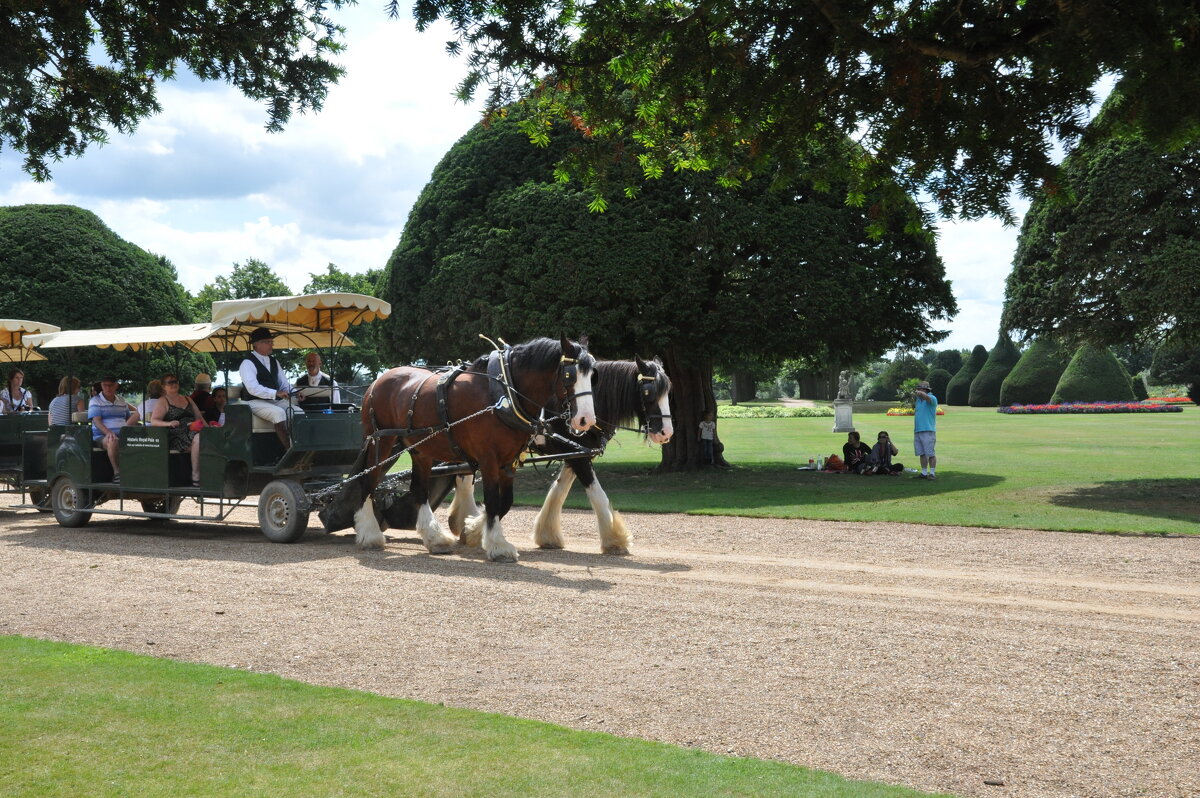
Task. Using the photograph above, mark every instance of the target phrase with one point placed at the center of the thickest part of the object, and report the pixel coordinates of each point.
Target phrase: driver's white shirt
(252, 386)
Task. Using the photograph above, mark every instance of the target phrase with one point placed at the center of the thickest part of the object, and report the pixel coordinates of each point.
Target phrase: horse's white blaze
(668, 429)
(547, 527)
(495, 546)
(585, 411)
(367, 533)
(437, 540)
(463, 506)
(614, 537)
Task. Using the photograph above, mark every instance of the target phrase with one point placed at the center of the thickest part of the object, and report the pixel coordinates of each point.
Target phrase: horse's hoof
(550, 544)
(619, 550)
(504, 556)
(442, 549)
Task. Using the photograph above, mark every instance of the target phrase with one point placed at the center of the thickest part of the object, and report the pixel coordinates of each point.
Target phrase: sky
(204, 184)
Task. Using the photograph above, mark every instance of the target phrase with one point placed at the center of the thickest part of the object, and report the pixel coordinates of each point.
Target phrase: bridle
(646, 383)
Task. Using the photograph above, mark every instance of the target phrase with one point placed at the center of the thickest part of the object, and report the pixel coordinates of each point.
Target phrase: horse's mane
(537, 354)
(616, 395)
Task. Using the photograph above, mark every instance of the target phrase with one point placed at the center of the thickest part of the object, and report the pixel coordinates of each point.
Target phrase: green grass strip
(1133, 474)
(78, 720)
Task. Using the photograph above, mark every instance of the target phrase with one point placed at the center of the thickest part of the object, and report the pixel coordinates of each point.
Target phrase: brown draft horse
(498, 413)
(624, 392)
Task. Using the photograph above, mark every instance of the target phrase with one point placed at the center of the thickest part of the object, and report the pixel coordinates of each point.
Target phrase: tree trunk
(691, 398)
(742, 387)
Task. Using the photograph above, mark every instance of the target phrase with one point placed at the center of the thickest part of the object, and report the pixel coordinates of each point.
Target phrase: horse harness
(501, 395)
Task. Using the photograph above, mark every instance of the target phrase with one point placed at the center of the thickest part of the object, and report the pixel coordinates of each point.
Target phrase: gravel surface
(941, 658)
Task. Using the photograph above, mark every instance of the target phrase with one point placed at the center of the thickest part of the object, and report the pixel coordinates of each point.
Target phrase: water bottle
(820, 463)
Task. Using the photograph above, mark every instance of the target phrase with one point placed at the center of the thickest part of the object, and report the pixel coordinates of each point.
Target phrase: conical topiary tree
(958, 392)
(1033, 380)
(1093, 375)
(938, 380)
(985, 388)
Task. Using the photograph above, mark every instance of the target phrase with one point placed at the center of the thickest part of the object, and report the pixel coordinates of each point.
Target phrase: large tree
(364, 356)
(253, 279)
(1112, 256)
(72, 72)
(696, 273)
(62, 265)
(962, 100)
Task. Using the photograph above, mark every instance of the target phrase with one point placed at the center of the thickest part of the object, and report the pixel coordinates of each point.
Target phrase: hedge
(1093, 375)
(938, 380)
(985, 388)
(958, 392)
(1033, 379)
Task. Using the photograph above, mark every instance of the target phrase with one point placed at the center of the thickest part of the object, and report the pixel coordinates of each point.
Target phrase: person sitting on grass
(881, 456)
(856, 454)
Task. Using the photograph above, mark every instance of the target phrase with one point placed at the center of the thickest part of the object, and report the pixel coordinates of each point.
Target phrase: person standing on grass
(925, 430)
(708, 432)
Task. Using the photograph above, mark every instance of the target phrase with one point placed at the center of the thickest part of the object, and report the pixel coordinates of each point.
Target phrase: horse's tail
(339, 513)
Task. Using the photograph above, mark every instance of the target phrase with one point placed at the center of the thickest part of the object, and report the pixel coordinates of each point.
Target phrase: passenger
(881, 456)
(61, 405)
(14, 398)
(202, 396)
(216, 413)
(153, 391)
(108, 413)
(267, 385)
(855, 453)
(178, 412)
(314, 378)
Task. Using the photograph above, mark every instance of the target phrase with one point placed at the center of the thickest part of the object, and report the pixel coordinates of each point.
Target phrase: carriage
(13, 426)
(334, 452)
(242, 460)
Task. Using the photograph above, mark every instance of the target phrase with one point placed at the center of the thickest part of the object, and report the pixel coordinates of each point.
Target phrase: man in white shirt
(316, 378)
(265, 386)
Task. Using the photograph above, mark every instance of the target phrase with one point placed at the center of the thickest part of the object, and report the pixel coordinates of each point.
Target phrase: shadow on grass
(633, 487)
(1175, 499)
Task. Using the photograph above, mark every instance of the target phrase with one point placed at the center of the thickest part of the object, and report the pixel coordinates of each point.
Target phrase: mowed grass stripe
(78, 720)
(1123, 473)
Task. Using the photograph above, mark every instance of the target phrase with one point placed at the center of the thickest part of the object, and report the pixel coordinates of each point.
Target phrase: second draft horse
(624, 391)
(482, 414)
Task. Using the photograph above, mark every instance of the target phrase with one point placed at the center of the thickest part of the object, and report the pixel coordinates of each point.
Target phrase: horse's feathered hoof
(442, 548)
(621, 550)
(504, 553)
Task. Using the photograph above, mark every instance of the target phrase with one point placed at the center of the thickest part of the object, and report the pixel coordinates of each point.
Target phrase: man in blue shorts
(925, 430)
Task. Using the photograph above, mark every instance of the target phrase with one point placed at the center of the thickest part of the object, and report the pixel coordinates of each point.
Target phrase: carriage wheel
(283, 511)
(67, 501)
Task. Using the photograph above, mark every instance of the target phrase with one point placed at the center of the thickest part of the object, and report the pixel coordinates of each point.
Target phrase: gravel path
(936, 657)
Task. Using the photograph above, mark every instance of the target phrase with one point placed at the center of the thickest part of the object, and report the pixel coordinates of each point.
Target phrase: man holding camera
(925, 430)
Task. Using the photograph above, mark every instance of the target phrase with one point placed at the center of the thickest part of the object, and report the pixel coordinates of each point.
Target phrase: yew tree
(1113, 256)
(695, 273)
(73, 72)
(962, 100)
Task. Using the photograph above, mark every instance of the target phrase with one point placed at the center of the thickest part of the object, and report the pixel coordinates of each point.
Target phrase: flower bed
(908, 411)
(772, 411)
(1091, 407)
(1170, 400)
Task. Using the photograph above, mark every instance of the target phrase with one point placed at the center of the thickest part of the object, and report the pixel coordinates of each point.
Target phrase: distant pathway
(937, 657)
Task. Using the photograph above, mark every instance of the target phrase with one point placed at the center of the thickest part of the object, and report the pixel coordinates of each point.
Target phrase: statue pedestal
(843, 415)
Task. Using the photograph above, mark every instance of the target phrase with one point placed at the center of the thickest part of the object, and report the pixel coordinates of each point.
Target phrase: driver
(265, 385)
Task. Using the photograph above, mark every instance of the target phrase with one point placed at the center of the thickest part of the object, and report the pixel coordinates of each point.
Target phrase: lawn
(77, 720)
(1127, 473)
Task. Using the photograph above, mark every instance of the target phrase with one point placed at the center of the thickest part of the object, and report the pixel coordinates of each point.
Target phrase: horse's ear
(641, 365)
(568, 348)
(583, 341)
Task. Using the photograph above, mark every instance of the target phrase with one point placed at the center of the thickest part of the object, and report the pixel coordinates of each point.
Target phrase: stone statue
(844, 385)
